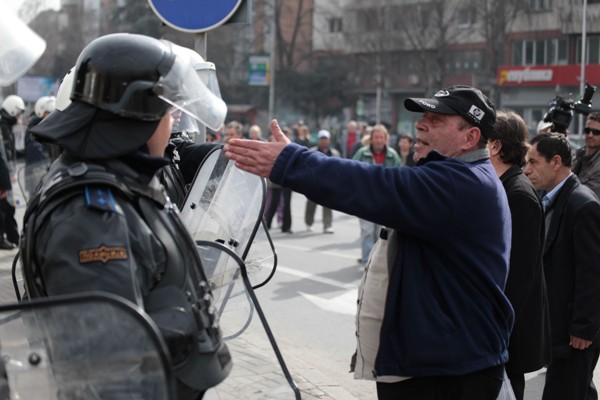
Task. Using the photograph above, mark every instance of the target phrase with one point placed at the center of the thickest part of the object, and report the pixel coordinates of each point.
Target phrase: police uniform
(101, 221)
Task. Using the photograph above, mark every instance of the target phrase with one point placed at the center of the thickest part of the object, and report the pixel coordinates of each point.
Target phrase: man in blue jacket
(445, 321)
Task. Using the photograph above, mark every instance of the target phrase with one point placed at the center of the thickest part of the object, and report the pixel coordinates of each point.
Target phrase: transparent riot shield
(259, 370)
(29, 175)
(91, 346)
(225, 205)
(223, 212)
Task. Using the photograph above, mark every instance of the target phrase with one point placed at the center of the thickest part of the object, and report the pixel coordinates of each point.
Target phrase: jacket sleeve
(585, 322)
(411, 200)
(526, 246)
(192, 155)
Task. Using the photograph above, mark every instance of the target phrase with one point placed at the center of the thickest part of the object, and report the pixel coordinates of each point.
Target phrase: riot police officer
(12, 107)
(100, 220)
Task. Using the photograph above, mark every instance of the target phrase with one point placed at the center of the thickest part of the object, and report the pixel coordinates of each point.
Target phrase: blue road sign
(194, 15)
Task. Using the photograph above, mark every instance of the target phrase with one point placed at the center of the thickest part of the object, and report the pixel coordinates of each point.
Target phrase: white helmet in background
(14, 105)
(63, 95)
(44, 105)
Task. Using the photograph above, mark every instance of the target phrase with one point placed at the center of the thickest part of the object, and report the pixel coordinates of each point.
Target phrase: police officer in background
(100, 220)
(12, 107)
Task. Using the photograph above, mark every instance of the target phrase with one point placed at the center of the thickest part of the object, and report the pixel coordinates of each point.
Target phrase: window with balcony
(592, 50)
(465, 17)
(540, 5)
(540, 52)
(335, 25)
(464, 61)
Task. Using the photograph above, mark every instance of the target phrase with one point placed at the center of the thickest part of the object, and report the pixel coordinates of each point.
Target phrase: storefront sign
(547, 75)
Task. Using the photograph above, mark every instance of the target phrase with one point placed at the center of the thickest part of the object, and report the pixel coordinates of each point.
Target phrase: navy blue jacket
(446, 312)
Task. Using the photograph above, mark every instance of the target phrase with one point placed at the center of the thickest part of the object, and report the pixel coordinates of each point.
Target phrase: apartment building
(523, 53)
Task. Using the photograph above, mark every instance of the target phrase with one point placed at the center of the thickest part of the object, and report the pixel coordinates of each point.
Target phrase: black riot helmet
(118, 73)
(123, 84)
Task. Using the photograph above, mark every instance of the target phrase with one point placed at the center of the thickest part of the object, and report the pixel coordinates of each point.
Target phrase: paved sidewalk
(7, 292)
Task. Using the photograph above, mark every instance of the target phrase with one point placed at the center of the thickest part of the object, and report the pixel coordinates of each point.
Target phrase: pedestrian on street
(377, 152)
(529, 347)
(587, 159)
(323, 147)
(445, 327)
(571, 267)
(101, 221)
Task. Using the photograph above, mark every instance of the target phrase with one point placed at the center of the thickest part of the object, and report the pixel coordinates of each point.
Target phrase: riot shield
(20, 47)
(223, 212)
(30, 173)
(225, 205)
(91, 346)
(259, 370)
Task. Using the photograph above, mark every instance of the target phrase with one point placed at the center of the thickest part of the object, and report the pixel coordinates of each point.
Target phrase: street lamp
(583, 58)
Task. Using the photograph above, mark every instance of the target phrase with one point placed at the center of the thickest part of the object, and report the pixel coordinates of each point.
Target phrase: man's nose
(420, 124)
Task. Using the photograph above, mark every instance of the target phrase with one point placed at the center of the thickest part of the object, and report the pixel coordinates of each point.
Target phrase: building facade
(522, 53)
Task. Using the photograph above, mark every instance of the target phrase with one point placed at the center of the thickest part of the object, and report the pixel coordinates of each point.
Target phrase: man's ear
(556, 162)
(495, 147)
(472, 138)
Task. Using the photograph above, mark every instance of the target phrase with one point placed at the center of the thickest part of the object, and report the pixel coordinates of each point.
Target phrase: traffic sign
(194, 15)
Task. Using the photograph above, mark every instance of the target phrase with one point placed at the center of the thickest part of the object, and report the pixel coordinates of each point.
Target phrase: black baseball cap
(466, 101)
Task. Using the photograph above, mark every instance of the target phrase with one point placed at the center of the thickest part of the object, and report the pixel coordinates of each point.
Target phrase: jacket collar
(557, 208)
(513, 171)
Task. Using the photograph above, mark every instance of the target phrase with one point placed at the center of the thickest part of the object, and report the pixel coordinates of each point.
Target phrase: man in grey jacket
(587, 159)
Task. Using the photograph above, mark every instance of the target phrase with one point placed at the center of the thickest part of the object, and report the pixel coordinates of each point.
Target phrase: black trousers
(481, 385)
(571, 377)
(8, 224)
(286, 196)
(517, 381)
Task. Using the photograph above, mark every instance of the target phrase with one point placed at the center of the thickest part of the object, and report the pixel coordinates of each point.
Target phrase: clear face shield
(20, 47)
(183, 89)
(187, 127)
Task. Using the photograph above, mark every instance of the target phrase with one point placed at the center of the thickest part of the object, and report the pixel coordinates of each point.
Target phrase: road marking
(342, 304)
(316, 278)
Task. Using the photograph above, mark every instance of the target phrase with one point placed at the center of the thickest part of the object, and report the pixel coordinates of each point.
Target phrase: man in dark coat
(529, 347)
(571, 267)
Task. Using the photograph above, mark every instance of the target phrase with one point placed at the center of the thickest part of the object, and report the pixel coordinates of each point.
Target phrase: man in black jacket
(529, 347)
(571, 254)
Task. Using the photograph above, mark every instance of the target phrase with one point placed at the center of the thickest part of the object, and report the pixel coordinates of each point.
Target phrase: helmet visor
(187, 126)
(182, 88)
(208, 73)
